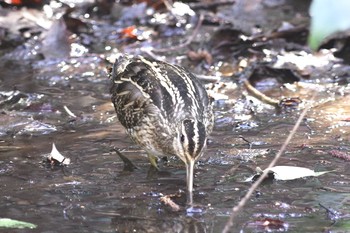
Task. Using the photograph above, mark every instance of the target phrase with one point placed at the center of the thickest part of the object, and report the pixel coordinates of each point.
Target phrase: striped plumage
(164, 108)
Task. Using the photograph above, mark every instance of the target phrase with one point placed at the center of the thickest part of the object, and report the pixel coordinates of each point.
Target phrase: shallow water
(94, 194)
(38, 98)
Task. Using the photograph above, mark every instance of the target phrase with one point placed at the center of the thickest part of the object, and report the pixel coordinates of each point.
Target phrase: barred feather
(145, 90)
(164, 108)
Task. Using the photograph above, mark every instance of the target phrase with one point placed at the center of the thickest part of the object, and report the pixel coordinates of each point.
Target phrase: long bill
(189, 181)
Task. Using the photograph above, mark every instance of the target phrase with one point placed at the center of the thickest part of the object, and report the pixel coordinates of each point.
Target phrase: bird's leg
(153, 159)
(128, 165)
(189, 179)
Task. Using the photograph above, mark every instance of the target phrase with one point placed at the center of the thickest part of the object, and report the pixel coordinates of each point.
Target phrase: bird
(164, 108)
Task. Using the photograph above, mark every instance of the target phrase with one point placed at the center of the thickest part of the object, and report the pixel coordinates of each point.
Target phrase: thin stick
(261, 96)
(255, 185)
(208, 78)
(69, 112)
(189, 40)
(168, 5)
(209, 5)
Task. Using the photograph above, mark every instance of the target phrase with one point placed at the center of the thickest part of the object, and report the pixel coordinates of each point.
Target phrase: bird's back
(153, 98)
(164, 109)
(144, 87)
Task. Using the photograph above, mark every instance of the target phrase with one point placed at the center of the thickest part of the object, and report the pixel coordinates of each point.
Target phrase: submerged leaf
(292, 173)
(56, 157)
(11, 223)
(287, 173)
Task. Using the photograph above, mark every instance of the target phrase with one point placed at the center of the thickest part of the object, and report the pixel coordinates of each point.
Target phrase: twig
(261, 96)
(255, 185)
(209, 5)
(69, 112)
(247, 141)
(331, 213)
(189, 40)
(228, 174)
(168, 5)
(208, 78)
(149, 52)
(167, 201)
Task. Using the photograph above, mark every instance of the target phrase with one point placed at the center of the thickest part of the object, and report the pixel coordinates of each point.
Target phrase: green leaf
(327, 17)
(10, 223)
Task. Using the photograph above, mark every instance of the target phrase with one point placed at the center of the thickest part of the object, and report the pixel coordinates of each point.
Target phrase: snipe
(164, 108)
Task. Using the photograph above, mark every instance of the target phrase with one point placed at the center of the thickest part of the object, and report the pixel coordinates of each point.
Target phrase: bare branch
(256, 184)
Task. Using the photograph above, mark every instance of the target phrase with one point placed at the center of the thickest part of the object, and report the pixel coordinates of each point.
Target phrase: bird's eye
(182, 138)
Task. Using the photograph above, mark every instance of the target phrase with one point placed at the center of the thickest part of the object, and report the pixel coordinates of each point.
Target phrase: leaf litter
(273, 52)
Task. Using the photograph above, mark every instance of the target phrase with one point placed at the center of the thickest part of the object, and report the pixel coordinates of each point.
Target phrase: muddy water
(95, 194)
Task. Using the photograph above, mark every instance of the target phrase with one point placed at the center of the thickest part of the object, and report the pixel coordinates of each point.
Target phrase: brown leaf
(200, 56)
(340, 154)
(167, 201)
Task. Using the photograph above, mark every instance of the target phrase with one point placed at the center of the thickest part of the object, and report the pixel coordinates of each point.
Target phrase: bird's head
(190, 140)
